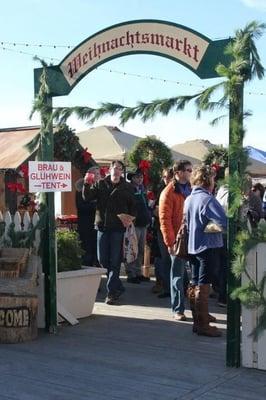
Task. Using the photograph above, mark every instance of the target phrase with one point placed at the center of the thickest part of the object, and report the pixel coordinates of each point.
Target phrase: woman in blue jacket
(205, 220)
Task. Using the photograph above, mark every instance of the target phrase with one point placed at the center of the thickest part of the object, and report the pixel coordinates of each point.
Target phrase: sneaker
(164, 295)
(180, 317)
(110, 300)
(222, 304)
(143, 278)
(135, 279)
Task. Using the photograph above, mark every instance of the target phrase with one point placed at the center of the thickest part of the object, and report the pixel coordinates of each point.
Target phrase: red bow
(150, 195)
(16, 187)
(216, 167)
(24, 170)
(144, 166)
(86, 155)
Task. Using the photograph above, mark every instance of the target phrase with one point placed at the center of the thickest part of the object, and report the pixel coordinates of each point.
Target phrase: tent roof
(199, 147)
(194, 148)
(12, 142)
(178, 156)
(256, 168)
(107, 143)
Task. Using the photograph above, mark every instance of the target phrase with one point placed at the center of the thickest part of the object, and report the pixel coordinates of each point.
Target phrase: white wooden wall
(254, 352)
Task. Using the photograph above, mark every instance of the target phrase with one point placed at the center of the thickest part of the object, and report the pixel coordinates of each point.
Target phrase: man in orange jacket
(171, 214)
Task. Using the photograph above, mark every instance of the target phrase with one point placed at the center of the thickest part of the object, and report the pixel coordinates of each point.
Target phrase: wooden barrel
(18, 317)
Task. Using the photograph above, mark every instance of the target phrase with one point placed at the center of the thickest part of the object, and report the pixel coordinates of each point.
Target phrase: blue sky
(70, 22)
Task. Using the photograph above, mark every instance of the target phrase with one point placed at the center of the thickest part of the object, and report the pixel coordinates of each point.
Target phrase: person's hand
(126, 219)
(156, 211)
(89, 178)
(126, 222)
(171, 250)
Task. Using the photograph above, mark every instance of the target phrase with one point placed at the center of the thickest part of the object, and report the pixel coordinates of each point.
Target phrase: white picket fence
(254, 351)
(22, 223)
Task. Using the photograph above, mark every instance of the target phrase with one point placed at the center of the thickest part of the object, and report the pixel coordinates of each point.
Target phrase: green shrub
(69, 251)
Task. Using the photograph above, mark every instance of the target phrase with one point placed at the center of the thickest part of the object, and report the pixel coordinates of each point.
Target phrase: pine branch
(105, 109)
(33, 144)
(217, 120)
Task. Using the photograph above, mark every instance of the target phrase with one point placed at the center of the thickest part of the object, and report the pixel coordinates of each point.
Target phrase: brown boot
(212, 318)
(191, 298)
(201, 302)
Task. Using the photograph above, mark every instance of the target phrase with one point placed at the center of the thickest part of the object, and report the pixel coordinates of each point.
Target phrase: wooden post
(233, 306)
(48, 259)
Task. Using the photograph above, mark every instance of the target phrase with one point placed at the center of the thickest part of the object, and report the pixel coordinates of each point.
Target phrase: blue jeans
(202, 265)
(177, 285)
(109, 248)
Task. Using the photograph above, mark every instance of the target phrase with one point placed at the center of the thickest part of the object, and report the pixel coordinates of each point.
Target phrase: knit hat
(137, 172)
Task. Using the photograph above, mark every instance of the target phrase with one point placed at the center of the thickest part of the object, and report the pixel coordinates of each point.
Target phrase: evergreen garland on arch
(68, 148)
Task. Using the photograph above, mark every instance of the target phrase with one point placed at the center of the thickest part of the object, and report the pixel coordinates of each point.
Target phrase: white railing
(22, 222)
(254, 351)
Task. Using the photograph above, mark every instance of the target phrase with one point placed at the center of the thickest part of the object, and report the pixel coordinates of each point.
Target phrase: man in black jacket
(115, 209)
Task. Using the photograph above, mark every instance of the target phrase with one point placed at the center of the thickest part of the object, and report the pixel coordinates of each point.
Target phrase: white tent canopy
(107, 143)
(199, 148)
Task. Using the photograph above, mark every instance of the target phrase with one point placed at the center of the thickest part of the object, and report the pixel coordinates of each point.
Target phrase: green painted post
(49, 260)
(233, 306)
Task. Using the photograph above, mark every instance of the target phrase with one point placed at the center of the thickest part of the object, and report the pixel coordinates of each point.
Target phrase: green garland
(68, 148)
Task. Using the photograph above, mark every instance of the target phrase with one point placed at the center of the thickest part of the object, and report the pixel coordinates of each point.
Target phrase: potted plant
(77, 286)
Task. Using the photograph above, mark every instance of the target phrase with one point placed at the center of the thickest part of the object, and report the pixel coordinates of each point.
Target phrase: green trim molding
(166, 39)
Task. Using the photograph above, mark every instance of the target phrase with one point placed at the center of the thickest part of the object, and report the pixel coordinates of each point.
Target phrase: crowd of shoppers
(108, 205)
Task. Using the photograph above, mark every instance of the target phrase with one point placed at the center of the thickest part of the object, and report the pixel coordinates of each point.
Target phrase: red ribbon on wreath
(144, 166)
(216, 167)
(24, 170)
(150, 195)
(86, 155)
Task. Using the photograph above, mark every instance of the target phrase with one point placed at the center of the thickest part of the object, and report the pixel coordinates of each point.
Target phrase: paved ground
(131, 351)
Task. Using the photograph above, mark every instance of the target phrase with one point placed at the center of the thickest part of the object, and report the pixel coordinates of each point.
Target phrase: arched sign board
(166, 39)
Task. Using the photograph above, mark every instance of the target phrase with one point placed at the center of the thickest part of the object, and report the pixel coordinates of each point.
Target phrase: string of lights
(29, 54)
(53, 59)
(54, 46)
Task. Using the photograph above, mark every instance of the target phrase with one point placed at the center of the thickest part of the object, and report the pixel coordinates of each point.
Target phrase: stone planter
(76, 290)
(254, 352)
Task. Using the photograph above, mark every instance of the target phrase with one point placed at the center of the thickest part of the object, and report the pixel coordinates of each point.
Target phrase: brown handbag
(181, 242)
